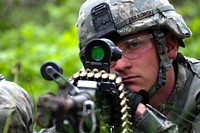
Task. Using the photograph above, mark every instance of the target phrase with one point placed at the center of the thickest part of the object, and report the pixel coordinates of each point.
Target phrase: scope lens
(97, 53)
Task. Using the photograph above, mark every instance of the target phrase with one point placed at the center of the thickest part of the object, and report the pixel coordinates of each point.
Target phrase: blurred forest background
(35, 31)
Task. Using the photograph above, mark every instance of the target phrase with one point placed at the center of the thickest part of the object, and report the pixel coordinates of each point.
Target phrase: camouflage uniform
(16, 108)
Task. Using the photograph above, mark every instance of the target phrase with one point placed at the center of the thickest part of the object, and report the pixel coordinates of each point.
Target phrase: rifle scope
(100, 52)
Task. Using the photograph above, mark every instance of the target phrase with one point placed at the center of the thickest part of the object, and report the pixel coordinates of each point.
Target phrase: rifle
(93, 100)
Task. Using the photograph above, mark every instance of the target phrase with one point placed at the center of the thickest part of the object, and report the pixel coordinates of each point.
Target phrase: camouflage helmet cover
(132, 16)
(16, 108)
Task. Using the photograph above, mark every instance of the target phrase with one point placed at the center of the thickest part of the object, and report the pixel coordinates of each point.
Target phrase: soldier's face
(139, 64)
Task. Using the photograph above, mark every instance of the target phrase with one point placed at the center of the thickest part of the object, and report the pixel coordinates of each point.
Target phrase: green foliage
(35, 32)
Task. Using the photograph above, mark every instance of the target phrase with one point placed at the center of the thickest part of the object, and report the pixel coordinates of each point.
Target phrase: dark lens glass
(97, 53)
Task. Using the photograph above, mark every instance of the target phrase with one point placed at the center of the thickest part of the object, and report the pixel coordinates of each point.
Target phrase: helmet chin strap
(161, 81)
(165, 62)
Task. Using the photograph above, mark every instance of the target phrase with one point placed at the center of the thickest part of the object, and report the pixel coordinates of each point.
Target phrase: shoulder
(14, 92)
(194, 65)
(8, 88)
(193, 60)
(15, 101)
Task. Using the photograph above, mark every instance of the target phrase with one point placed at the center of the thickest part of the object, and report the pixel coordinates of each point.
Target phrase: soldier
(149, 33)
(16, 108)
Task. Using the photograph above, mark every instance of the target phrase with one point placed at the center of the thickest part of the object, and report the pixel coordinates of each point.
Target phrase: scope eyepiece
(97, 53)
(100, 52)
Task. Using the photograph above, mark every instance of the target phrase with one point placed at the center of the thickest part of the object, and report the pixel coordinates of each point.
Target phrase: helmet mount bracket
(103, 22)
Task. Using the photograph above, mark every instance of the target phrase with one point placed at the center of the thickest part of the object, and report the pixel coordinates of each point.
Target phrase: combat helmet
(129, 17)
(119, 18)
(16, 108)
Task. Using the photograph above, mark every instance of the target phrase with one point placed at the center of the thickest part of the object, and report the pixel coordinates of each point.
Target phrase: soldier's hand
(48, 108)
(135, 98)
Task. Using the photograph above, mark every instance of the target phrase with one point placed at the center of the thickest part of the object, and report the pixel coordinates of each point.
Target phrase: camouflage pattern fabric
(48, 130)
(16, 109)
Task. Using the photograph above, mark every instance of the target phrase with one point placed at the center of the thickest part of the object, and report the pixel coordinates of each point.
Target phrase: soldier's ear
(171, 45)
